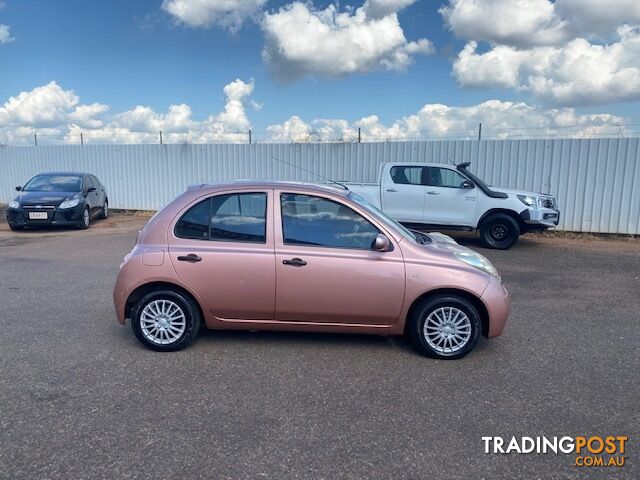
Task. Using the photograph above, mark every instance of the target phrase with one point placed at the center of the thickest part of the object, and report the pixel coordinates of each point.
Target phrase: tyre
(104, 213)
(15, 228)
(86, 219)
(445, 326)
(500, 231)
(165, 320)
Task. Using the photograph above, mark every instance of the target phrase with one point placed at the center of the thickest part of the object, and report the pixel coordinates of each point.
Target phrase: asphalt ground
(81, 398)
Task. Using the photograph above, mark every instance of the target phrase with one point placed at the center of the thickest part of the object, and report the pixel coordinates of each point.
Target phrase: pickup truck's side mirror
(381, 243)
(468, 184)
(18, 188)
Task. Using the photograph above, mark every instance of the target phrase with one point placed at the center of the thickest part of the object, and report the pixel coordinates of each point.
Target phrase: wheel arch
(146, 288)
(473, 299)
(507, 211)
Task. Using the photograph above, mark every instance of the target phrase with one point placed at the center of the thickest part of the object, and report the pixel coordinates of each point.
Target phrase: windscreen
(54, 183)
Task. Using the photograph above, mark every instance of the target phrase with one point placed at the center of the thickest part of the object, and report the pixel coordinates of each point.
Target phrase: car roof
(317, 187)
(77, 174)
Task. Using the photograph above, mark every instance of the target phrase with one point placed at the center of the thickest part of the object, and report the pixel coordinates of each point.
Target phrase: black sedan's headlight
(14, 204)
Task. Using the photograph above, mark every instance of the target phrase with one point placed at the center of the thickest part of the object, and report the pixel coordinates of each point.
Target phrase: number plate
(37, 215)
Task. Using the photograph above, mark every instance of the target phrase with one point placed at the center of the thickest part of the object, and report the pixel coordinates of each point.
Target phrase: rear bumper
(55, 217)
(541, 218)
(498, 303)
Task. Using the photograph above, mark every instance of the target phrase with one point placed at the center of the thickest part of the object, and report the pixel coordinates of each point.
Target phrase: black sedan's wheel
(104, 213)
(165, 320)
(445, 326)
(86, 219)
(15, 228)
(500, 231)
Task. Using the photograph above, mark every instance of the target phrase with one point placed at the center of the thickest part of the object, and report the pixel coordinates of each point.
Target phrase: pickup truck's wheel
(445, 326)
(499, 230)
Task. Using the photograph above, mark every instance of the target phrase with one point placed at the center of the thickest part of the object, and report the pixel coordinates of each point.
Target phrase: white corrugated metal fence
(596, 181)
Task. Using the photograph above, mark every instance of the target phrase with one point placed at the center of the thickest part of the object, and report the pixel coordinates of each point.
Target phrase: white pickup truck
(425, 195)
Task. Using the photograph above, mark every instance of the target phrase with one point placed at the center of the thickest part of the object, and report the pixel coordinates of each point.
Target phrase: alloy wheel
(162, 322)
(447, 330)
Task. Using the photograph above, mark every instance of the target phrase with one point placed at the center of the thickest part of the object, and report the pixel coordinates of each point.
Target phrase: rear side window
(195, 223)
(239, 217)
(309, 220)
(407, 175)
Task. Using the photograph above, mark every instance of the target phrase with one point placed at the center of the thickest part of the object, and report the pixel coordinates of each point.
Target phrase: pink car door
(222, 248)
(326, 269)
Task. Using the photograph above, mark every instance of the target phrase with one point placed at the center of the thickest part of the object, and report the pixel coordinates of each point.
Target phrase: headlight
(528, 200)
(546, 202)
(476, 260)
(14, 204)
(69, 203)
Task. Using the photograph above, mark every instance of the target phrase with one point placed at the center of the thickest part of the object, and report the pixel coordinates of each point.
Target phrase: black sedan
(58, 198)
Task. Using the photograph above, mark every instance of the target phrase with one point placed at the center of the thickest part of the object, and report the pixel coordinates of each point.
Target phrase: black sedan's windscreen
(54, 183)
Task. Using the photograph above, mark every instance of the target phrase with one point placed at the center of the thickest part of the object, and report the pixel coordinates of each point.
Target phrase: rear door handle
(295, 262)
(192, 257)
(391, 190)
(433, 193)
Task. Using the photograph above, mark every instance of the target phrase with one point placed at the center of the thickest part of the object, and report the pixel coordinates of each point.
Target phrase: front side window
(237, 217)
(444, 177)
(407, 175)
(316, 221)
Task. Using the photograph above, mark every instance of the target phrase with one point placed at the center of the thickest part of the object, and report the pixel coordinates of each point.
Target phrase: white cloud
(302, 40)
(57, 115)
(510, 22)
(528, 23)
(433, 121)
(578, 73)
(228, 14)
(567, 52)
(5, 34)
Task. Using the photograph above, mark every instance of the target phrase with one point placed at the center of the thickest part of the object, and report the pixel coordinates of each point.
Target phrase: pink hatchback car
(292, 256)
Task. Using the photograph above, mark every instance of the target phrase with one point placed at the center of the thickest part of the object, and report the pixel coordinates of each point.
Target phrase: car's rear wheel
(445, 326)
(500, 231)
(165, 320)
(104, 213)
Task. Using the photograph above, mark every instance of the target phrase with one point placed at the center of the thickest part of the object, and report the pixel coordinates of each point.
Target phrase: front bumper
(19, 217)
(498, 303)
(540, 218)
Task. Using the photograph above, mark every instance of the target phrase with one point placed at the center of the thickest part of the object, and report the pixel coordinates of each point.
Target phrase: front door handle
(295, 262)
(433, 193)
(391, 190)
(192, 257)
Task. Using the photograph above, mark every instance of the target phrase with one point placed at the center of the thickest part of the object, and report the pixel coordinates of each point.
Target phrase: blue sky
(129, 53)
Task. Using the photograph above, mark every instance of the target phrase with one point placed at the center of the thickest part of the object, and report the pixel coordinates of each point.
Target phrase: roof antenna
(311, 172)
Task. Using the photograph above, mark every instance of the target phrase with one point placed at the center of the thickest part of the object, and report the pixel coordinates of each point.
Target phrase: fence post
(359, 135)
(479, 131)
(160, 137)
(35, 139)
(81, 139)
(249, 136)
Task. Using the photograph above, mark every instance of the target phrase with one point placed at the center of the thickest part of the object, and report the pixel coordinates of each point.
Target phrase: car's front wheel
(165, 320)
(500, 231)
(445, 326)
(86, 219)
(15, 228)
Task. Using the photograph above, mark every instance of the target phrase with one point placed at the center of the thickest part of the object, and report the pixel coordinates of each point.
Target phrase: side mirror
(91, 189)
(18, 189)
(468, 184)
(382, 243)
